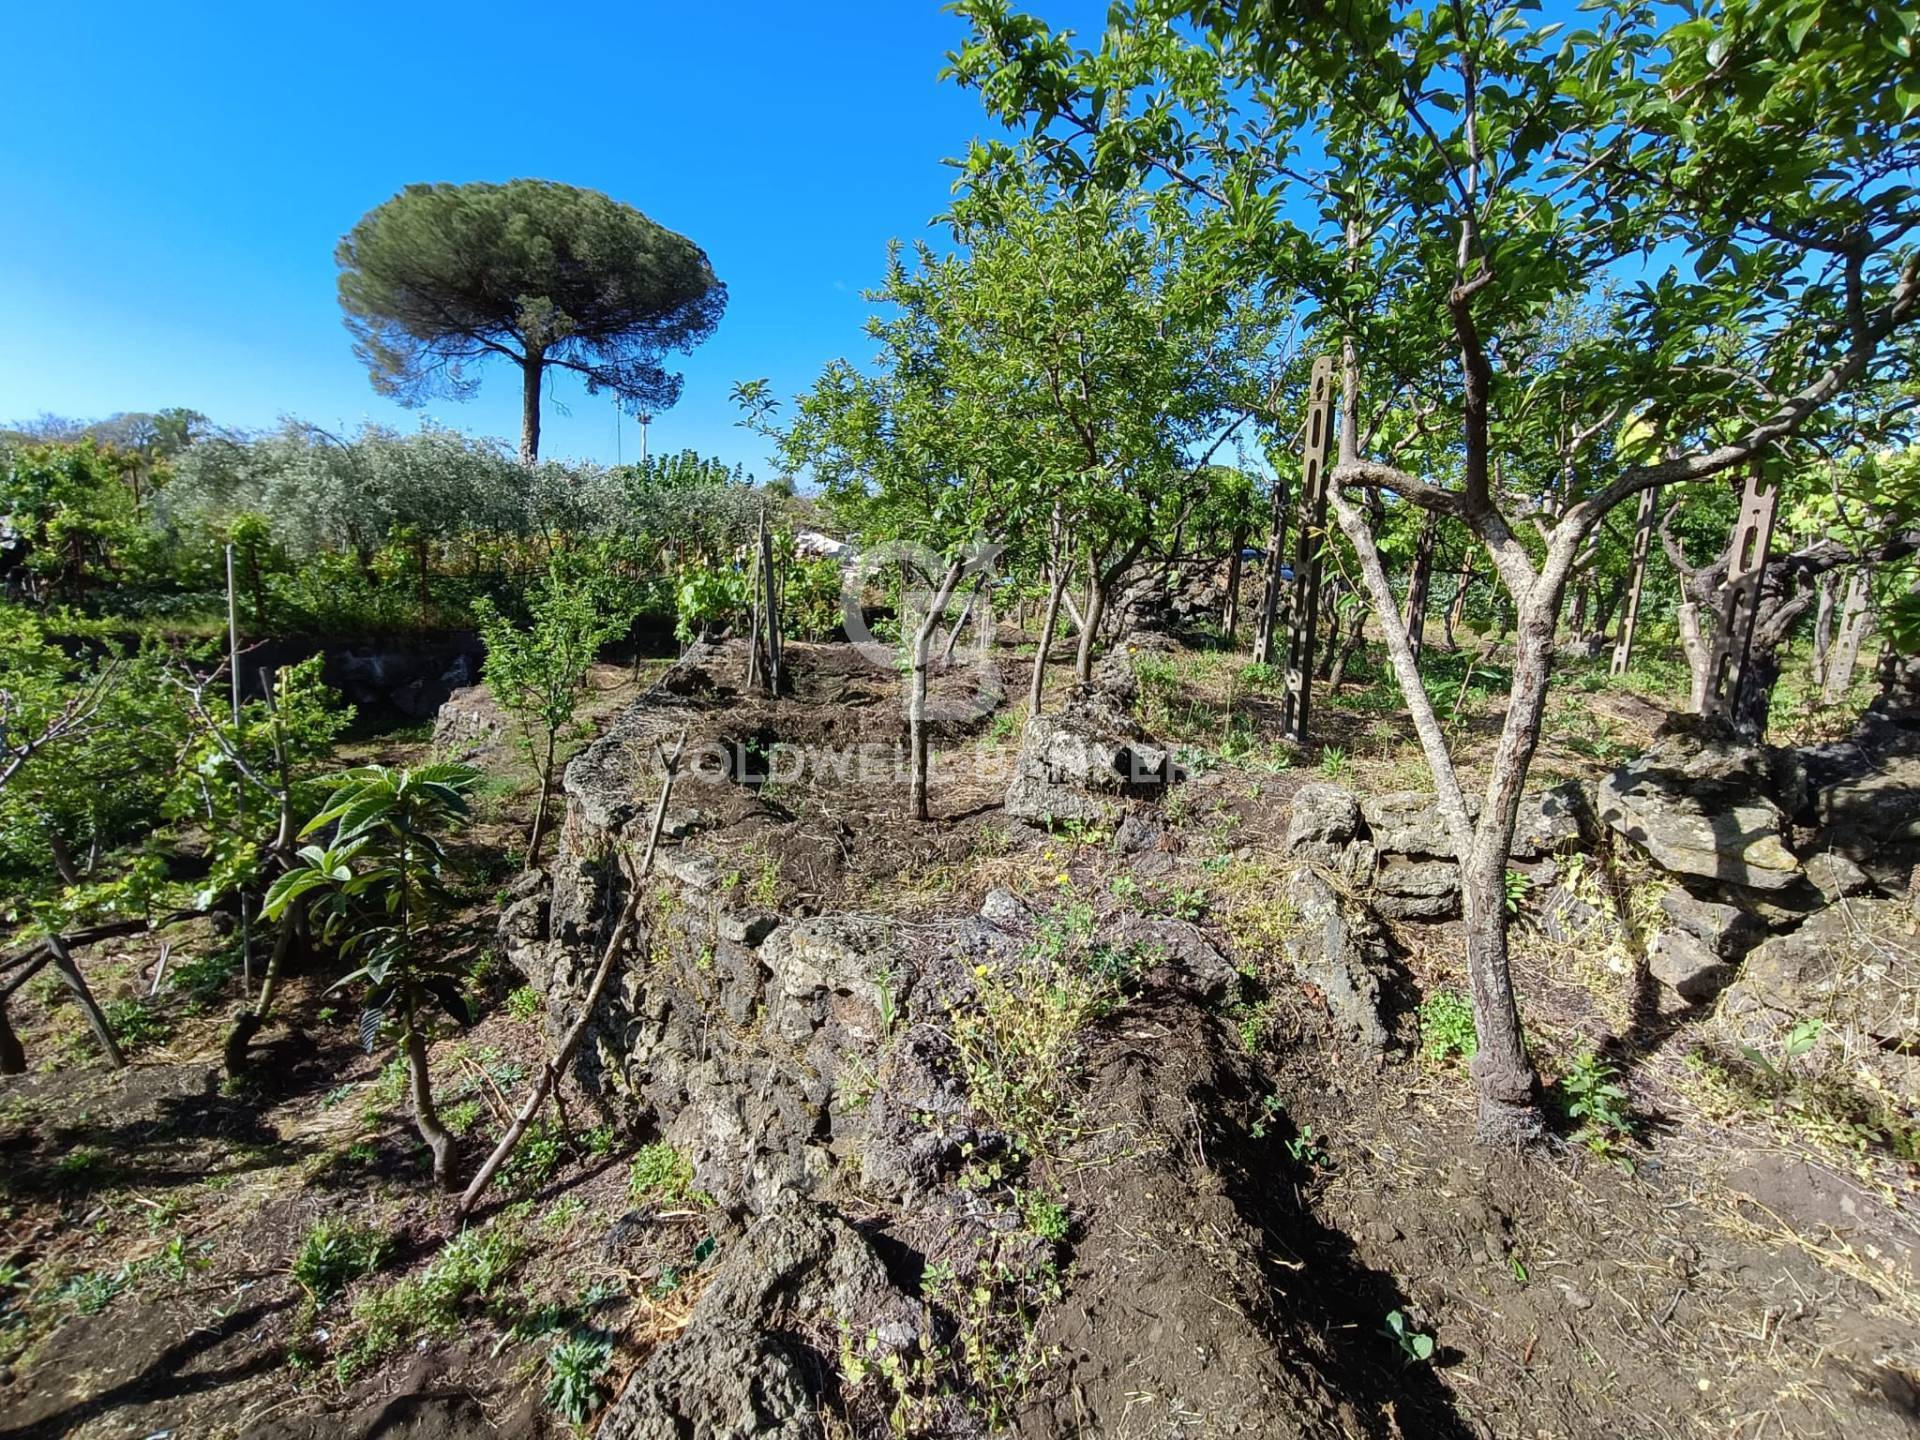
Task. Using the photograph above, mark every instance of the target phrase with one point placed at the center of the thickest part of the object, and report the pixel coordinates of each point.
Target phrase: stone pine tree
(443, 277)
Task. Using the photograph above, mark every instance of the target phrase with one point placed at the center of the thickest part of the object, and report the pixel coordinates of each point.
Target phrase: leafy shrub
(334, 1254)
(1045, 1216)
(536, 1160)
(1446, 1026)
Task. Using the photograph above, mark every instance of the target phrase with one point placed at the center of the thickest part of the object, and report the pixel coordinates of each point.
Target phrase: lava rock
(1726, 931)
(1687, 966)
(1085, 761)
(1696, 802)
(1338, 949)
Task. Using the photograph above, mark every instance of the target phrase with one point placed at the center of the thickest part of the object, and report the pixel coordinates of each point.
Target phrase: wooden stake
(1630, 618)
(551, 1071)
(68, 971)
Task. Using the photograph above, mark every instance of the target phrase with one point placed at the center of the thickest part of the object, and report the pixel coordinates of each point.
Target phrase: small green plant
(1270, 1110)
(1416, 1346)
(1304, 1150)
(1187, 904)
(1125, 889)
(661, 1175)
(93, 1291)
(1802, 1038)
(1045, 1216)
(575, 1366)
(1334, 763)
(1592, 1096)
(525, 1003)
(471, 1267)
(134, 1025)
(1517, 886)
(334, 1254)
(1446, 1026)
(541, 1153)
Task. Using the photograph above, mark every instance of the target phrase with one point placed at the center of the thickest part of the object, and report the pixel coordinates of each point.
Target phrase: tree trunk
(1837, 678)
(531, 370)
(917, 702)
(426, 1119)
(1503, 1078)
(13, 1059)
(1457, 611)
(1755, 700)
(1230, 614)
(1698, 652)
(62, 857)
(1421, 581)
(69, 972)
(248, 1022)
(1056, 590)
(540, 809)
(1096, 612)
(1355, 633)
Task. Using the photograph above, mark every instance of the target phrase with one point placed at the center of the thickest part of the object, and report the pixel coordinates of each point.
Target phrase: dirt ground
(1721, 1269)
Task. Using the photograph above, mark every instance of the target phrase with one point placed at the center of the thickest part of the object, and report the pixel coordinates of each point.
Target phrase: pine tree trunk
(531, 369)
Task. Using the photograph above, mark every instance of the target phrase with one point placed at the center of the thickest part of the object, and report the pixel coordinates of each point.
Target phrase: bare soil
(1249, 1199)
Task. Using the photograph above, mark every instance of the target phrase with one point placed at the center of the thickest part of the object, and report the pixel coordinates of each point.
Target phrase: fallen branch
(556, 1064)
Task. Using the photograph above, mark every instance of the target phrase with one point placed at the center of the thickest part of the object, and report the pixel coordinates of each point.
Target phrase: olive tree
(1436, 182)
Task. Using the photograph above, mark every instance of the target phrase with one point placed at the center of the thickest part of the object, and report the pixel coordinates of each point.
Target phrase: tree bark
(1356, 632)
(1504, 1082)
(531, 370)
(540, 809)
(1036, 688)
(1421, 581)
(1230, 614)
(62, 857)
(1823, 628)
(1096, 613)
(917, 702)
(13, 1059)
(96, 1021)
(1698, 652)
(426, 1120)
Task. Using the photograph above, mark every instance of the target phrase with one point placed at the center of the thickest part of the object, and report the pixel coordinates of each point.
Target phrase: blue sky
(176, 177)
